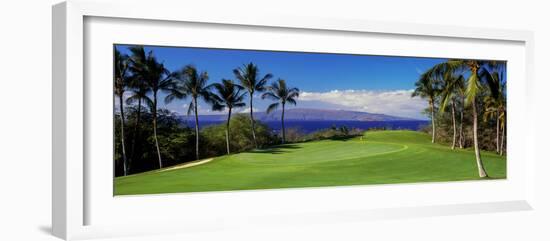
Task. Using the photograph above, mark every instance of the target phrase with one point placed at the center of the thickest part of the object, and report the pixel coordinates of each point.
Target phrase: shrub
(240, 136)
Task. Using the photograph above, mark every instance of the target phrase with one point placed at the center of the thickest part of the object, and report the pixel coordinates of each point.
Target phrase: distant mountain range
(302, 114)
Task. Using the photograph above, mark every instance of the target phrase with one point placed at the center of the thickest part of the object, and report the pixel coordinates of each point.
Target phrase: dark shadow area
(276, 149)
(341, 138)
(333, 138)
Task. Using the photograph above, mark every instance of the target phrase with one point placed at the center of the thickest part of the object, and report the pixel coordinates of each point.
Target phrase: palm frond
(294, 93)
(270, 95)
(492, 82)
(132, 99)
(228, 95)
(218, 106)
(240, 104)
(291, 101)
(260, 86)
(272, 107)
(278, 91)
(473, 88)
(175, 94)
(248, 77)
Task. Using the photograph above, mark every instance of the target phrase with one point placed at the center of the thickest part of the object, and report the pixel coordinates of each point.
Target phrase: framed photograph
(165, 123)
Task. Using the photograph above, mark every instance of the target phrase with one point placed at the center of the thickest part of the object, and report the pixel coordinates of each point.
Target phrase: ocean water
(312, 126)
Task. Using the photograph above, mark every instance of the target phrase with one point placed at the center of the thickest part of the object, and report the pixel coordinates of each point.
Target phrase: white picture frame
(75, 197)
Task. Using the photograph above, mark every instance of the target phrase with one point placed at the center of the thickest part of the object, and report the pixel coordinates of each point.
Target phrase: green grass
(379, 157)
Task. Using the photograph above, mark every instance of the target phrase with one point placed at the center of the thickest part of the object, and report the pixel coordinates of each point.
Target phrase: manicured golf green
(379, 157)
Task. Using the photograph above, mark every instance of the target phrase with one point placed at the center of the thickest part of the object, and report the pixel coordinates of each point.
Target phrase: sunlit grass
(379, 157)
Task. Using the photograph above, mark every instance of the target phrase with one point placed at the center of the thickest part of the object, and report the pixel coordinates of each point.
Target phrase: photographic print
(190, 119)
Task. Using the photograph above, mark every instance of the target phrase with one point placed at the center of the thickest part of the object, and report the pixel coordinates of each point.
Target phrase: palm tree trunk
(155, 128)
(461, 127)
(227, 130)
(454, 123)
(461, 131)
(124, 160)
(480, 167)
(283, 122)
(135, 135)
(252, 122)
(502, 138)
(498, 127)
(433, 120)
(196, 128)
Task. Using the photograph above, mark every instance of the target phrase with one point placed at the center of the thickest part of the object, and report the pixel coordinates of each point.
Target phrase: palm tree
(229, 96)
(139, 92)
(494, 110)
(462, 109)
(473, 89)
(495, 102)
(249, 75)
(503, 127)
(121, 82)
(191, 82)
(452, 87)
(279, 92)
(158, 78)
(427, 88)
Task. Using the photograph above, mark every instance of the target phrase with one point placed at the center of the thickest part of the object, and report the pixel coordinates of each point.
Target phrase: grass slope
(378, 157)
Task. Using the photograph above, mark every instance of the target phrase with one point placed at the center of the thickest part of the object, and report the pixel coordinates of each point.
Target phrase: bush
(240, 136)
(293, 135)
(334, 132)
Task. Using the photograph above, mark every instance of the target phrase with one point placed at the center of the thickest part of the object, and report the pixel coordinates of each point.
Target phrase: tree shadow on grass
(333, 138)
(276, 149)
(342, 138)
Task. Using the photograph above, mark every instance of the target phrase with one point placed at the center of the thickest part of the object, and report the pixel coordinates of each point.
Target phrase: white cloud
(181, 108)
(247, 110)
(396, 103)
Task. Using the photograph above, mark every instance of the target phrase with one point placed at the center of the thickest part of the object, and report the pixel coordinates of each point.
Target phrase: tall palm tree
(121, 82)
(279, 92)
(473, 89)
(139, 92)
(495, 102)
(452, 88)
(427, 88)
(158, 78)
(229, 96)
(190, 82)
(494, 110)
(503, 127)
(461, 100)
(249, 76)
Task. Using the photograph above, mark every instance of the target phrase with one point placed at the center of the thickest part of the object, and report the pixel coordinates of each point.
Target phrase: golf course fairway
(378, 157)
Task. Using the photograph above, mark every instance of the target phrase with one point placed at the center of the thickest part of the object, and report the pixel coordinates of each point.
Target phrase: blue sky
(377, 84)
